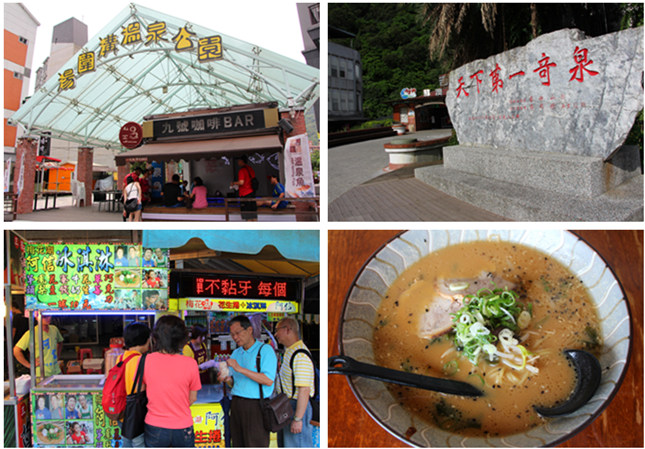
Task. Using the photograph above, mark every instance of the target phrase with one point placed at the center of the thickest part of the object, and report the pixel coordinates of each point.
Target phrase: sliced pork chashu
(458, 288)
(436, 319)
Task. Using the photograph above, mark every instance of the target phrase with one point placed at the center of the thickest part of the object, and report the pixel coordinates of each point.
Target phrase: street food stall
(93, 290)
(212, 299)
(81, 283)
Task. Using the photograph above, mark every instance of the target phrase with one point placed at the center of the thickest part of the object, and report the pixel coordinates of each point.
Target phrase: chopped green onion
(483, 313)
(450, 368)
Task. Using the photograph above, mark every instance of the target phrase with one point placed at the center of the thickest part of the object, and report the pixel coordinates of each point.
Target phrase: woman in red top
(244, 181)
(172, 382)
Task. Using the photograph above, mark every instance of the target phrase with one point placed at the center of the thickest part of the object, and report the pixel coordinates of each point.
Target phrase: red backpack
(114, 394)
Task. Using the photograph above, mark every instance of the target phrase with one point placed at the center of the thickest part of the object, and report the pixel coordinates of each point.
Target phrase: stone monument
(541, 130)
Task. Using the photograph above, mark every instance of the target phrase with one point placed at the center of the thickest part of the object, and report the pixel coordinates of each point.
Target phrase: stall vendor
(52, 347)
(196, 349)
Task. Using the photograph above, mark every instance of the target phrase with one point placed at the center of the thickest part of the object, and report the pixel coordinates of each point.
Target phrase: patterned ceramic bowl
(371, 284)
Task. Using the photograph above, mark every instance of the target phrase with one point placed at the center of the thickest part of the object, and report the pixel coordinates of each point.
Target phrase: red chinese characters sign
(238, 287)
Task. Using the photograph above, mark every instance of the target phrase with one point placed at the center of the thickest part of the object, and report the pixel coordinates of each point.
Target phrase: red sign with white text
(131, 135)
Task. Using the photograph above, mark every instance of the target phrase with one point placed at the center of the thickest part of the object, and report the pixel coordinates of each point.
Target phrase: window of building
(333, 64)
(343, 101)
(23, 40)
(357, 70)
(335, 100)
(350, 102)
(17, 75)
(359, 103)
(350, 70)
(314, 13)
(341, 68)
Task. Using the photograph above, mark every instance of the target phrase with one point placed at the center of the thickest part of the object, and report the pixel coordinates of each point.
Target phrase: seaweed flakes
(449, 417)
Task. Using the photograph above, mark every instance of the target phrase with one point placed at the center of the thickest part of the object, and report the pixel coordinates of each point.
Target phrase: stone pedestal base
(402, 155)
(541, 186)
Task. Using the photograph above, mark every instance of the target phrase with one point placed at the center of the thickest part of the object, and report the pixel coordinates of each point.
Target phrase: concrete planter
(400, 129)
(404, 152)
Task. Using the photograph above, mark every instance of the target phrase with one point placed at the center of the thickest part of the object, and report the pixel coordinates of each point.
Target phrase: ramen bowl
(359, 316)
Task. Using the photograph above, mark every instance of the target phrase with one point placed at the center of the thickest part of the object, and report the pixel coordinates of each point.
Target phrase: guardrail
(302, 209)
(359, 135)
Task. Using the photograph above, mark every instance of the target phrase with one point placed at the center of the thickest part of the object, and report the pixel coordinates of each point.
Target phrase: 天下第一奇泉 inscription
(562, 92)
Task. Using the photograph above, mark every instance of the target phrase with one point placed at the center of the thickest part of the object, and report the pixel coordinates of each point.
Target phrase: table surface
(620, 425)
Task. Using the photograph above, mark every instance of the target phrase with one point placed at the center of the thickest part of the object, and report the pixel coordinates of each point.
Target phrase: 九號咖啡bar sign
(219, 123)
(95, 277)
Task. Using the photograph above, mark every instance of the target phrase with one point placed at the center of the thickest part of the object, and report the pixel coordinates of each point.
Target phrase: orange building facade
(19, 38)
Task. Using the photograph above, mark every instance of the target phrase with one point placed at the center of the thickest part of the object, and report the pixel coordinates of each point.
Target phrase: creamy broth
(563, 317)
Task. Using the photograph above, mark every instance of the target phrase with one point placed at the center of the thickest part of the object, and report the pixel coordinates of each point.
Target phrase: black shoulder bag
(277, 412)
(315, 403)
(136, 405)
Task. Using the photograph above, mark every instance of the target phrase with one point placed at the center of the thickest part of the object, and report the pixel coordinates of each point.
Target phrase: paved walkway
(401, 198)
(66, 212)
(362, 189)
(351, 165)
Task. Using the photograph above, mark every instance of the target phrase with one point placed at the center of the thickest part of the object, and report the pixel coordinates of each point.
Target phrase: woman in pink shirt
(199, 194)
(172, 382)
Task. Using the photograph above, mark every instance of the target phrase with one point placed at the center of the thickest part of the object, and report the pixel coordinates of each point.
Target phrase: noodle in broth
(563, 316)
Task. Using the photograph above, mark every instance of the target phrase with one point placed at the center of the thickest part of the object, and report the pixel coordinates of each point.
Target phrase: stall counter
(67, 411)
(210, 416)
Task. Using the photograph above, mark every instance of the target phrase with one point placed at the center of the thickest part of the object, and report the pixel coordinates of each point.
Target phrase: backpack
(114, 394)
(315, 400)
(255, 184)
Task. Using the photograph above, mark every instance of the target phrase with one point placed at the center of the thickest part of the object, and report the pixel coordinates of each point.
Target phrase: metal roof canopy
(142, 80)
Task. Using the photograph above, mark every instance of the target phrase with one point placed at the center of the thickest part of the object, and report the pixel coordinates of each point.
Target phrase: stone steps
(526, 203)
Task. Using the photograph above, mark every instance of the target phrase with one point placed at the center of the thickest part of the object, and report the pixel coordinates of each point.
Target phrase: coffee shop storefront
(207, 143)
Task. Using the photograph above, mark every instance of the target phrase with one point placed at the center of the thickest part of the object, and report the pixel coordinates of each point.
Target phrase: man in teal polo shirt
(247, 429)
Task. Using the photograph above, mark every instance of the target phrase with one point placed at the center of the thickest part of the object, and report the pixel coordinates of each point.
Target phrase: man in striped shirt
(299, 386)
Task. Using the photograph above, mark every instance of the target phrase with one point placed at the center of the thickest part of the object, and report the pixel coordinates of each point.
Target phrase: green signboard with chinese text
(95, 277)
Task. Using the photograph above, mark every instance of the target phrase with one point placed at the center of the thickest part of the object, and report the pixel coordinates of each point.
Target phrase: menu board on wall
(95, 277)
(72, 418)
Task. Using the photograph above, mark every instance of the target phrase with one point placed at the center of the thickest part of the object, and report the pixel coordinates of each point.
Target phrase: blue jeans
(134, 442)
(304, 438)
(160, 437)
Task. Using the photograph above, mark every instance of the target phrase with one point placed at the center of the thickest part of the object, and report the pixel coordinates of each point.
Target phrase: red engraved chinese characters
(496, 79)
(544, 69)
(580, 56)
(460, 88)
(476, 76)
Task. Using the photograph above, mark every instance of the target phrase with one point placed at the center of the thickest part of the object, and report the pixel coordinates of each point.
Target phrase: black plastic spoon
(589, 374)
(346, 365)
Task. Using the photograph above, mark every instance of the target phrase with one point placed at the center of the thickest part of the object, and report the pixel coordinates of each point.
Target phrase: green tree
(393, 42)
